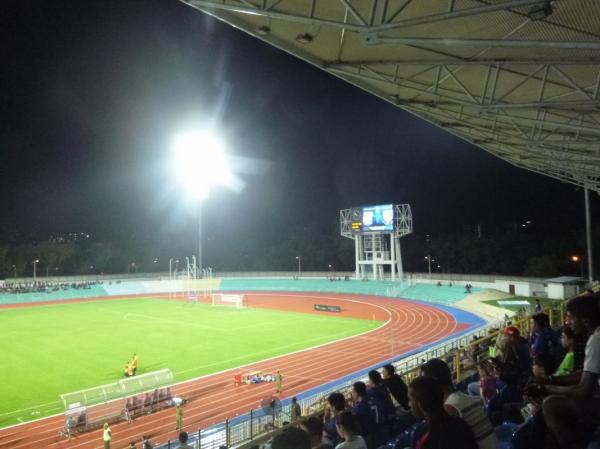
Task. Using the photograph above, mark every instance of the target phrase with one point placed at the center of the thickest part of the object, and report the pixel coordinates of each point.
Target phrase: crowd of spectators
(45, 287)
(542, 386)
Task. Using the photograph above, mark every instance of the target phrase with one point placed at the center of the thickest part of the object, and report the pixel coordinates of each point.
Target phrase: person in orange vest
(134, 363)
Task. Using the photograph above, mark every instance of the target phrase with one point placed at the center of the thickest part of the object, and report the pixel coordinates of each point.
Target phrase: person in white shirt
(345, 423)
(106, 436)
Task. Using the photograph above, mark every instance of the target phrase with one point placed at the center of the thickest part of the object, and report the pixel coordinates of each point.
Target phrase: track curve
(407, 326)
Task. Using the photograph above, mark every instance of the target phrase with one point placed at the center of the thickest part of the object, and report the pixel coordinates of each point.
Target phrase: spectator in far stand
(295, 410)
(314, 427)
(395, 385)
(183, 437)
(538, 306)
(346, 427)
(291, 438)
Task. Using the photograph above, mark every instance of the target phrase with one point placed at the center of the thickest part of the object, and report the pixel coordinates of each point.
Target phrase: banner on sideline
(326, 308)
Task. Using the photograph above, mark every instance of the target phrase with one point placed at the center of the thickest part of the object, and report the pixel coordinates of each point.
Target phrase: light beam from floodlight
(201, 163)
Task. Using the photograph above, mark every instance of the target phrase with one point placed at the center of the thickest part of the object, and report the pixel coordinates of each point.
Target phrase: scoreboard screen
(372, 218)
(378, 218)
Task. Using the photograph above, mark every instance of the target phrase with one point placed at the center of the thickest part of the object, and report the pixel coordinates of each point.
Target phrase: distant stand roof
(565, 280)
(518, 78)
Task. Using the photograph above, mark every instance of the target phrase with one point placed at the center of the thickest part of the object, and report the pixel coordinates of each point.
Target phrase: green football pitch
(54, 349)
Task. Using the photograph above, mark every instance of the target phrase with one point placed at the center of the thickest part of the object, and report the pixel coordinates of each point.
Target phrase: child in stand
(567, 341)
(487, 381)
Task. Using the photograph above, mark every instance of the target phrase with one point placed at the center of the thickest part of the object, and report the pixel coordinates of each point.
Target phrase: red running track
(212, 399)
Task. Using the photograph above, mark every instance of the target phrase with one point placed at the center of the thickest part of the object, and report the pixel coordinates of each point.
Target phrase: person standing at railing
(279, 382)
(106, 436)
(178, 417)
(183, 438)
(295, 410)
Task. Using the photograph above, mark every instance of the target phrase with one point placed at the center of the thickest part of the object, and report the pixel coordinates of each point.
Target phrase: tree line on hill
(504, 253)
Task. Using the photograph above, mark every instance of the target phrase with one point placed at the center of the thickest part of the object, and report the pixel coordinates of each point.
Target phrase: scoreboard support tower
(377, 245)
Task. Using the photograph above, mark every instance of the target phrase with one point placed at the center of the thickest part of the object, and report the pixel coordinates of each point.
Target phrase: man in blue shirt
(368, 415)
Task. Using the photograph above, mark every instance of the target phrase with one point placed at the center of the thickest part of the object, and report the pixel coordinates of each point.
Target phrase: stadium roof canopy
(518, 78)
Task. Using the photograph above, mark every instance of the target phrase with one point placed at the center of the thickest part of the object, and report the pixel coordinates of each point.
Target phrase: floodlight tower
(200, 162)
(376, 231)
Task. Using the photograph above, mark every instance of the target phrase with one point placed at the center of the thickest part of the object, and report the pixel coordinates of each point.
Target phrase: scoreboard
(372, 218)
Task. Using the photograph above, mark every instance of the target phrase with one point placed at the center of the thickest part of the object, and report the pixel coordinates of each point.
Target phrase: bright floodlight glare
(201, 162)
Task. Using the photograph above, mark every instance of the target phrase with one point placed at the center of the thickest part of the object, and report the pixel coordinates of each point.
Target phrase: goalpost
(228, 300)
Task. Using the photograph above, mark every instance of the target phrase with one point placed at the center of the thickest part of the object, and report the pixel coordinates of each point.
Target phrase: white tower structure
(376, 231)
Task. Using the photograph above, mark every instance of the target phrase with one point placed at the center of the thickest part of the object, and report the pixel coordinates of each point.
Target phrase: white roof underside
(524, 90)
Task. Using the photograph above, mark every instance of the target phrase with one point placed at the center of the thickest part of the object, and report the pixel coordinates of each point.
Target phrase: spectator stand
(125, 399)
(247, 430)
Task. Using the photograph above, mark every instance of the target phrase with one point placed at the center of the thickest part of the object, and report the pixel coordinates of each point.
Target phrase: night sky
(93, 92)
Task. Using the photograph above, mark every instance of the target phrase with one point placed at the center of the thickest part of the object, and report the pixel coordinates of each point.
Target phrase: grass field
(49, 350)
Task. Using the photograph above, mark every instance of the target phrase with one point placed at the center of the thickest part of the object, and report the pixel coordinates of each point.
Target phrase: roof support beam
(209, 6)
(354, 12)
(448, 15)
(468, 62)
(567, 104)
(374, 39)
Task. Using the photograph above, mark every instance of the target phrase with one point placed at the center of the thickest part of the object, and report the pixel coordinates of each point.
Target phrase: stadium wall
(416, 286)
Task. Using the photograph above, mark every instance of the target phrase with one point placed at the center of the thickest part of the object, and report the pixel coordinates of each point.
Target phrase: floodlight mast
(201, 163)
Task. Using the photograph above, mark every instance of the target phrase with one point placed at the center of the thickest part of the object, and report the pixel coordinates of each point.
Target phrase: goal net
(228, 299)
